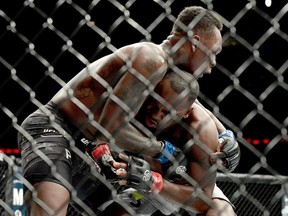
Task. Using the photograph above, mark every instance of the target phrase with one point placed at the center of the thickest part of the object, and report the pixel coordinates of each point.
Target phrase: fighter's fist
(103, 157)
(229, 150)
(140, 176)
(174, 170)
(174, 162)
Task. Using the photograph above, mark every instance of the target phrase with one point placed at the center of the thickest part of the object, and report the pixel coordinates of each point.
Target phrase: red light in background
(16, 151)
(265, 141)
(10, 151)
(249, 140)
(256, 142)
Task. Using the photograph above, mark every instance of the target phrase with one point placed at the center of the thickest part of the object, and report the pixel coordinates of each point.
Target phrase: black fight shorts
(49, 153)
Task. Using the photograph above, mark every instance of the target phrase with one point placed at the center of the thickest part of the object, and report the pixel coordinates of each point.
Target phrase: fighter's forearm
(130, 139)
(186, 196)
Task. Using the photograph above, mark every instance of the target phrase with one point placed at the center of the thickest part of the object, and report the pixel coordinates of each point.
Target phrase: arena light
(268, 3)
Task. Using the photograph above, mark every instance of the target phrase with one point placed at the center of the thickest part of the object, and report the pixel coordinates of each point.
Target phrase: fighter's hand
(140, 176)
(103, 157)
(173, 161)
(228, 150)
(174, 169)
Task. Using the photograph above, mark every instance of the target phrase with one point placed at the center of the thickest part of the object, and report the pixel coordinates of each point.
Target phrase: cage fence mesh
(251, 194)
(45, 43)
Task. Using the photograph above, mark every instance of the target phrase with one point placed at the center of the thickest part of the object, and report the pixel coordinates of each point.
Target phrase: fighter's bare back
(108, 89)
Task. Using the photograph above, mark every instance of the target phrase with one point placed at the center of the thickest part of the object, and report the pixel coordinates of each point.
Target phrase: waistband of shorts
(75, 132)
(53, 108)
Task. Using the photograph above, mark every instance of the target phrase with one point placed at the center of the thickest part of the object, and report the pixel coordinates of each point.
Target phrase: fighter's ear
(187, 114)
(195, 42)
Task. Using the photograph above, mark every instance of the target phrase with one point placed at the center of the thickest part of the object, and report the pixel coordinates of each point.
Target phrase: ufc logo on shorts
(68, 154)
(85, 141)
(49, 131)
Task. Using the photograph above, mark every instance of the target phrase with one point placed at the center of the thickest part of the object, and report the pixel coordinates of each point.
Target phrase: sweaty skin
(198, 138)
(92, 109)
(104, 93)
(199, 142)
(104, 97)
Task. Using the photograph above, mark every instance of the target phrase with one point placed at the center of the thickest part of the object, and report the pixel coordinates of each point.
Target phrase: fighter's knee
(221, 208)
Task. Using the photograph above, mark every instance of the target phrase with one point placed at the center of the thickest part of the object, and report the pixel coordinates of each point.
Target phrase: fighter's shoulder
(148, 50)
(199, 114)
(150, 46)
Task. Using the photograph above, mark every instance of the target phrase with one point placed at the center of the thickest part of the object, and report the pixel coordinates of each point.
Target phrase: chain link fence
(251, 194)
(45, 43)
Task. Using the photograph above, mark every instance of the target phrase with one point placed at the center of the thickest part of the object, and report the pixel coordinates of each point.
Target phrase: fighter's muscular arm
(228, 149)
(219, 125)
(145, 67)
(103, 97)
(199, 167)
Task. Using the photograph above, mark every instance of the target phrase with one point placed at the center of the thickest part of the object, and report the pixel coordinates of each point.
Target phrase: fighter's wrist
(161, 147)
(158, 182)
(100, 150)
(167, 150)
(227, 133)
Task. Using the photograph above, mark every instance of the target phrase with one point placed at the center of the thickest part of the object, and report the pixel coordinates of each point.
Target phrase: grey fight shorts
(145, 204)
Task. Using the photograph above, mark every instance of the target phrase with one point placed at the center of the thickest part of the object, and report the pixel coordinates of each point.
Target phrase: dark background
(247, 90)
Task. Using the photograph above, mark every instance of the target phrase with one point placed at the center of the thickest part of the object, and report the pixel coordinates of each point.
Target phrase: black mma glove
(103, 157)
(174, 162)
(231, 150)
(140, 177)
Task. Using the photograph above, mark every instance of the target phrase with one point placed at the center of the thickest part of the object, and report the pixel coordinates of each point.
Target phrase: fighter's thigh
(222, 205)
(221, 208)
(45, 156)
(50, 198)
(49, 180)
